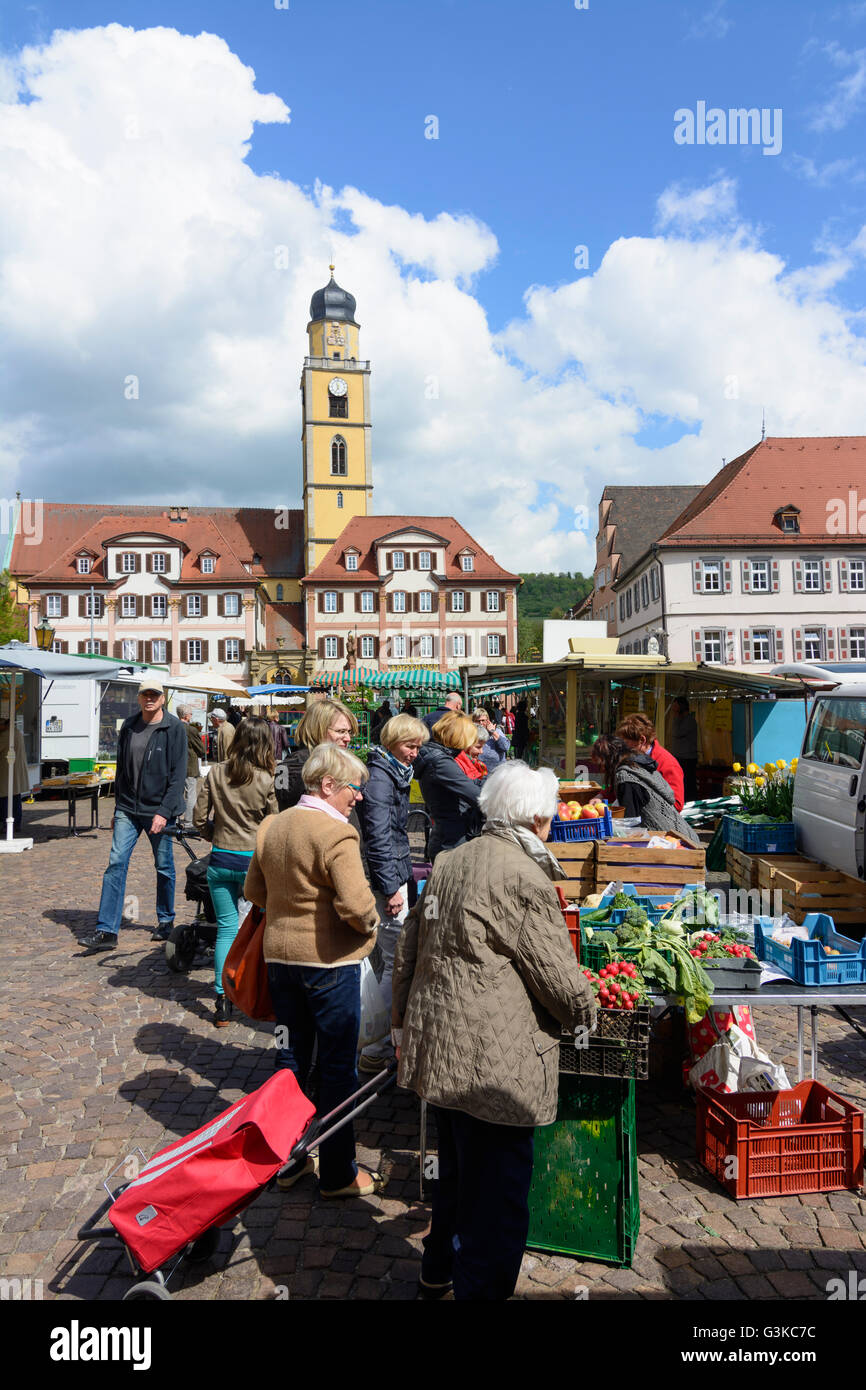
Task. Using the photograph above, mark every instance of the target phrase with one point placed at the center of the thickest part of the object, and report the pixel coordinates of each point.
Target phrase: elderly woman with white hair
(484, 981)
(321, 919)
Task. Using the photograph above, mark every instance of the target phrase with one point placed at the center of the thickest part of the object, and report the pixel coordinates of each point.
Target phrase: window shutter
(730, 650)
(798, 576)
(389, 603)
(697, 577)
(747, 644)
(320, 648)
(726, 573)
(149, 566)
(221, 607)
(341, 648)
(389, 559)
(320, 603)
(746, 575)
(205, 605)
(135, 605)
(843, 576)
(780, 645)
(830, 643)
(64, 606)
(828, 576)
(696, 645)
(148, 604)
(118, 649)
(118, 566)
(468, 645)
(242, 650)
(82, 605)
(843, 644)
(184, 649)
(414, 559)
(502, 598)
(774, 576)
(148, 649)
(221, 650)
(138, 562)
(82, 647)
(798, 643)
(339, 600)
(204, 653)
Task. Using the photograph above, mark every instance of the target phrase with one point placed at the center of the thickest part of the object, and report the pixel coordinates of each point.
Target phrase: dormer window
(424, 560)
(83, 564)
(127, 562)
(208, 564)
(467, 563)
(351, 560)
(788, 520)
(398, 560)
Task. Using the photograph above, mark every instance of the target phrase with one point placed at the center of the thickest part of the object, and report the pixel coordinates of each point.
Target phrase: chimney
(178, 513)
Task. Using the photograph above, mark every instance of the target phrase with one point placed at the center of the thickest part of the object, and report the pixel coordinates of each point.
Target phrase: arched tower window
(338, 456)
(279, 593)
(339, 501)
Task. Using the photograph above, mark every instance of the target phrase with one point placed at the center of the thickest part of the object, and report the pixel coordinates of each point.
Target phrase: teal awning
(413, 679)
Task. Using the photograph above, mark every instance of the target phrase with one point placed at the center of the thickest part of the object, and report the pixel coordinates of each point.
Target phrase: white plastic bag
(736, 1063)
(375, 1023)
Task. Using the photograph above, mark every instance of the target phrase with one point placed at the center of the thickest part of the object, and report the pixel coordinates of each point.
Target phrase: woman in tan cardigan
(321, 919)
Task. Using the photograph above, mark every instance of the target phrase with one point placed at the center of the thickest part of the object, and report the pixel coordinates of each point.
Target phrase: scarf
(529, 842)
(404, 772)
(315, 803)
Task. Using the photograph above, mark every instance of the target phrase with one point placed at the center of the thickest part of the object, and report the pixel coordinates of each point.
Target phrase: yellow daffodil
(781, 764)
(738, 767)
(752, 769)
(769, 768)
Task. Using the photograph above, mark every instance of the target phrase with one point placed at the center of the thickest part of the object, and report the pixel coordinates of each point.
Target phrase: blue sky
(556, 130)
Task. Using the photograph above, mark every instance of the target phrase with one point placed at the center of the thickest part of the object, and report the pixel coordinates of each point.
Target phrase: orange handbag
(245, 974)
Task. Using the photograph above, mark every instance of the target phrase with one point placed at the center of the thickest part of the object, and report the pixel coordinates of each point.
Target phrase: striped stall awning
(415, 678)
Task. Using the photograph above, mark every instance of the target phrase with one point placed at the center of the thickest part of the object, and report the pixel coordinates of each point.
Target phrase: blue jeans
(324, 1006)
(225, 888)
(480, 1216)
(127, 829)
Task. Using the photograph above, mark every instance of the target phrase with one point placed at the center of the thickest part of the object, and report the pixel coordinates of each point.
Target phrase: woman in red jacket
(639, 733)
(470, 759)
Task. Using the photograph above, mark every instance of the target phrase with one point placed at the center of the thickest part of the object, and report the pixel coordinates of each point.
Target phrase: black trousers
(480, 1217)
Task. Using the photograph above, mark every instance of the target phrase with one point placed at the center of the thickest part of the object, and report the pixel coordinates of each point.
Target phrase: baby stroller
(187, 940)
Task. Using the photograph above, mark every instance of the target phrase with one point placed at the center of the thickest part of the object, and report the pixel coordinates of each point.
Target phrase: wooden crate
(768, 865)
(807, 886)
(743, 868)
(577, 861)
(631, 862)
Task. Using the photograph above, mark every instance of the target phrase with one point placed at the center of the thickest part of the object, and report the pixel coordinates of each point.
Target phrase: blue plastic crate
(778, 838)
(601, 828)
(805, 961)
(650, 902)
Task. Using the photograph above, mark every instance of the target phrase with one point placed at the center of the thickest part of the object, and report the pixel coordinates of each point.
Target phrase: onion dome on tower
(333, 303)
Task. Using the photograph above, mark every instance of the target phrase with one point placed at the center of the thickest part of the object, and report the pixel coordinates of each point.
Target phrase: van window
(837, 732)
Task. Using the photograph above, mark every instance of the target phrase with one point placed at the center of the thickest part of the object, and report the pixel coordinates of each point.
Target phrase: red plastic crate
(571, 916)
(775, 1143)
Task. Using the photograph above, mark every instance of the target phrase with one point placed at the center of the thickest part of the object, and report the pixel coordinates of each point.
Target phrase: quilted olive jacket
(484, 980)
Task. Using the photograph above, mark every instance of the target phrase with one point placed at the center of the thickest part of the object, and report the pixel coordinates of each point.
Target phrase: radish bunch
(617, 985)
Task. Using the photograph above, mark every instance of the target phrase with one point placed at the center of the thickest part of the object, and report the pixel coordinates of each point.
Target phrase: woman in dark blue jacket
(384, 817)
(450, 796)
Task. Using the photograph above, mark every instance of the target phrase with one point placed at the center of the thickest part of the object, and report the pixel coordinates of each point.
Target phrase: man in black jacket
(452, 704)
(149, 793)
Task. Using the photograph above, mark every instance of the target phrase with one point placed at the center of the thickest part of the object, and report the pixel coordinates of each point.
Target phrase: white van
(830, 782)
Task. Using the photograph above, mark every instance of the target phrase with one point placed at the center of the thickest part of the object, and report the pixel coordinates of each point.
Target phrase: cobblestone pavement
(108, 1052)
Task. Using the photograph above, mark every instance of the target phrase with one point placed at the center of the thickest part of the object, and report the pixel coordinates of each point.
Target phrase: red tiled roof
(363, 532)
(739, 504)
(235, 534)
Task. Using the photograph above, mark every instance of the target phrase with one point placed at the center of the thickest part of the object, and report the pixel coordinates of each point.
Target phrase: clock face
(337, 387)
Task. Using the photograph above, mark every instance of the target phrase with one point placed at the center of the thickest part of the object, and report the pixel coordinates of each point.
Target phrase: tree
(13, 625)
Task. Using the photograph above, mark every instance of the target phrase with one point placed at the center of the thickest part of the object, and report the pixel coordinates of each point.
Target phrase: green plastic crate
(584, 1195)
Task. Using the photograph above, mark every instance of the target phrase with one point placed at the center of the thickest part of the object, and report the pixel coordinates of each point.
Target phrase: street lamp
(44, 635)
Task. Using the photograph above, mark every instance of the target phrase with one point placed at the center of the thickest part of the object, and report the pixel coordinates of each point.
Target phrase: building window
(128, 607)
(159, 652)
(233, 649)
(351, 562)
(759, 576)
(467, 563)
(193, 651)
(208, 564)
(127, 562)
(193, 605)
(93, 606)
(398, 560)
(813, 644)
(493, 641)
(279, 593)
(338, 456)
(761, 645)
(398, 648)
(790, 522)
(84, 564)
(654, 583)
(338, 407)
(53, 606)
(857, 643)
(458, 644)
(368, 648)
(857, 574)
(628, 603)
(425, 601)
(493, 601)
(425, 646)
(711, 581)
(330, 601)
(812, 576)
(93, 648)
(457, 601)
(330, 648)
(713, 647)
(339, 501)
(424, 560)
(622, 608)
(159, 606)
(232, 605)
(644, 590)
(367, 601)
(157, 560)
(398, 601)
(129, 651)
(57, 646)
(637, 598)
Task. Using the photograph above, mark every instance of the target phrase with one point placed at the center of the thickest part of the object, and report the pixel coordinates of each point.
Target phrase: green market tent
(413, 679)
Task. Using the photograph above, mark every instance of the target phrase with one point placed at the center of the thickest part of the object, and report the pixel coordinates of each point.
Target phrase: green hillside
(545, 596)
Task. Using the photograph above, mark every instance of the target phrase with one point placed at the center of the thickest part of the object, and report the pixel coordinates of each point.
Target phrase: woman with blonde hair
(325, 721)
(306, 873)
(232, 801)
(449, 795)
(384, 816)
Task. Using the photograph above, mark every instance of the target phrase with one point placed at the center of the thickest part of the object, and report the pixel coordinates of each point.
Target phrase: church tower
(335, 405)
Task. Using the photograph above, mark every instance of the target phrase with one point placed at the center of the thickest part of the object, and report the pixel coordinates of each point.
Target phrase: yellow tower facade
(335, 403)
